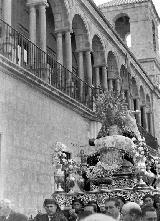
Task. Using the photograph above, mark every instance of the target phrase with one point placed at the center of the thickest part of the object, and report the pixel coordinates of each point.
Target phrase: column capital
(83, 50)
(63, 30)
(100, 65)
(31, 3)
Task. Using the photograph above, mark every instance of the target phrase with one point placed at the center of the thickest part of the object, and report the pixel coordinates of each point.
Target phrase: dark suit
(13, 216)
(56, 217)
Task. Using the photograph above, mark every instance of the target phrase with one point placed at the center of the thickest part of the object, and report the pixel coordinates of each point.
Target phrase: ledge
(18, 72)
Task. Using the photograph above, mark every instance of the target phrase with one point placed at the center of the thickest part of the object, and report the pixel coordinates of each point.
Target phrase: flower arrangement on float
(68, 173)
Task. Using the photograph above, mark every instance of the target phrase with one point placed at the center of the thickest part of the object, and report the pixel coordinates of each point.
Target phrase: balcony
(24, 53)
(150, 140)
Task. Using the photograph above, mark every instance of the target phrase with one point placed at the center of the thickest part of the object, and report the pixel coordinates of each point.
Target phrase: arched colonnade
(83, 54)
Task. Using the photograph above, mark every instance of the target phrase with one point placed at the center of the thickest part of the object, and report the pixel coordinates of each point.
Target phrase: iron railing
(149, 139)
(23, 52)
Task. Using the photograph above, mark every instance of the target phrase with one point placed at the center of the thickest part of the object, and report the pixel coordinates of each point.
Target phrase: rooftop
(120, 2)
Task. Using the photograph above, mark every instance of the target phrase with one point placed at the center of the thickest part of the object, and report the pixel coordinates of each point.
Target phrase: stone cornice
(20, 73)
(155, 60)
(37, 2)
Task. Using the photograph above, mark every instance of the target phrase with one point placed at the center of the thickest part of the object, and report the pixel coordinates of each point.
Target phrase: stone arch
(112, 65)
(98, 62)
(80, 45)
(134, 88)
(61, 14)
(142, 96)
(134, 96)
(154, 35)
(142, 107)
(113, 72)
(98, 51)
(122, 25)
(149, 113)
(124, 78)
(80, 30)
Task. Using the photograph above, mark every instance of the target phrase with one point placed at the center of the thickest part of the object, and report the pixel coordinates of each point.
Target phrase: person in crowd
(96, 205)
(102, 209)
(90, 208)
(112, 208)
(6, 212)
(157, 205)
(131, 211)
(77, 209)
(148, 200)
(121, 201)
(149, 213)
(53, 212)
(98, 217)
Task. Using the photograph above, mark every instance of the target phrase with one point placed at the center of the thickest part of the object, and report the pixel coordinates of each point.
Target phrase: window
(154, 36)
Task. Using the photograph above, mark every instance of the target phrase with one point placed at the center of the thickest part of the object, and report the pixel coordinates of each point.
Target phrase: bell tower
(136, 22)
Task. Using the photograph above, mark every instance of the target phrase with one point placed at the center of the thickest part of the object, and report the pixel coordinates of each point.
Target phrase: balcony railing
(149, 139)
(23, 52)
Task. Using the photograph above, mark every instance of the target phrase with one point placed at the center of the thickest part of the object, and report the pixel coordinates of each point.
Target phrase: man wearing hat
(53, 212)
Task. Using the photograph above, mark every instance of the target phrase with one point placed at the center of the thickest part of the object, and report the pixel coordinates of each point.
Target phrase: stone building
(54, 57)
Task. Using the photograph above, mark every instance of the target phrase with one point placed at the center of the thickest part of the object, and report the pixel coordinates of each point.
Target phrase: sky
(155, 2)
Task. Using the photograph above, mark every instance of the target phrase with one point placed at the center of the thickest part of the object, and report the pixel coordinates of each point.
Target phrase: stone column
(104, 78)
(7, 11)
(97, 78)
(151, 123)
(145, 118)
(60, 78)
(32, 23)
(59, 48)
(110, 85)
(80, 65)
(138, 116)
(42, 21)
(68, 46)
(118, 87)
(81, 72)
(89, 67)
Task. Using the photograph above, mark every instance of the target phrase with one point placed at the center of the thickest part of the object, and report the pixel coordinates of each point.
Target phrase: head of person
(131, 211)
(94, 203)
(112, 207)
(5, 207)
(77, 204)
(98, 217)
(51, 206)
(149, 213)
(90, 208)
(121, 201)
(148, 200)
(156, 203)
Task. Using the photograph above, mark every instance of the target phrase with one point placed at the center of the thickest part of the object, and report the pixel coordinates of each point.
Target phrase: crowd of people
(114, 209)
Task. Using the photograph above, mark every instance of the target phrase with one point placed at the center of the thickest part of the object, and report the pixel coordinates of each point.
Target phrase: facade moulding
(153, 89)
(36, 2)
(155, 60)
(20, 73)
(63, 30)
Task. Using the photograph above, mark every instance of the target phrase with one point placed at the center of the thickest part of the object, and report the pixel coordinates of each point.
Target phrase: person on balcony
(53, 212)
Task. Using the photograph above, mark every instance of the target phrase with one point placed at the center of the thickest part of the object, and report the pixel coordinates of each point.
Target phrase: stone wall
(31, 123)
